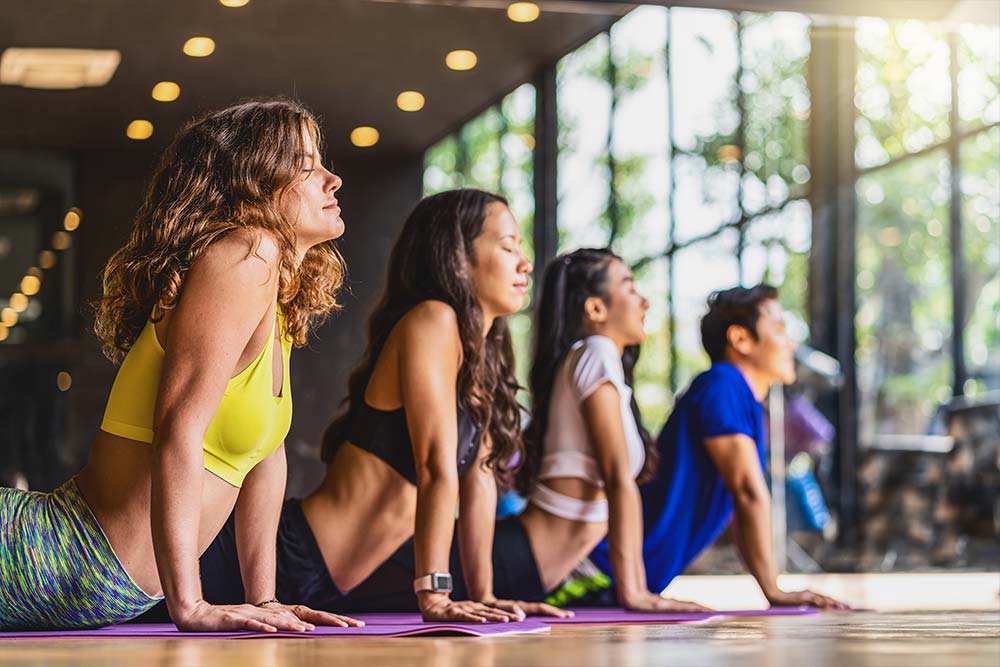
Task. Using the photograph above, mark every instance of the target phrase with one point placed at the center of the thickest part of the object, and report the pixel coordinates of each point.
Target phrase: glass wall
(675, 181)
(494, 152)
(912, 153)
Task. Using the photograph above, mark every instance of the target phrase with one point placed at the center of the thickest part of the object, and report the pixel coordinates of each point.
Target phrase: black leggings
(390, 587)
(302, 576)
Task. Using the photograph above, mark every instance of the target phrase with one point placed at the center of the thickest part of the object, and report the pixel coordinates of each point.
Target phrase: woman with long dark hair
(584, 446)
(430, 418)
(228, 265)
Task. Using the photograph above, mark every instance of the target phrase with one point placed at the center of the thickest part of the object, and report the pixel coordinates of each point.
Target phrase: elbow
(619, 483)
(437, 475)
(750, 494)
(172, 441)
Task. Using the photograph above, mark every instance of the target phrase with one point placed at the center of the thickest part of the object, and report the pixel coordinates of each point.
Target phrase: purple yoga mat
(614, 615)
(378, 625)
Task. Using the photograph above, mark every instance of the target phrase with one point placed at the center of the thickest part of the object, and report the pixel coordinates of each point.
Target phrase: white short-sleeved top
(568, 450)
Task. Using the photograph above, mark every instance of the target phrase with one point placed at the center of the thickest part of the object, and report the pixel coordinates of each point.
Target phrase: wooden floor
(912, 639)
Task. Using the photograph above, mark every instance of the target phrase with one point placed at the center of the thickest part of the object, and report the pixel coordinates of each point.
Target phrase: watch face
(441, 582)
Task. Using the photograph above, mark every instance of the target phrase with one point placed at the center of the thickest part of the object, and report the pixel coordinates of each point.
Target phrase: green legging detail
(57, 568)
(578, 588)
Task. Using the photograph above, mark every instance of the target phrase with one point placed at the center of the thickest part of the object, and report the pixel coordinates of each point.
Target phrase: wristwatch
(439, 582)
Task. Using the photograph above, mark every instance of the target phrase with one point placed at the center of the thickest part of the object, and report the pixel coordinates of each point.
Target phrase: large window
(927, 155)
(493, 152)
(675, 182)
(683, 144)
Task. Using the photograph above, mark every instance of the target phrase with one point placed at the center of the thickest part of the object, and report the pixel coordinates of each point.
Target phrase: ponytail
(569, 281)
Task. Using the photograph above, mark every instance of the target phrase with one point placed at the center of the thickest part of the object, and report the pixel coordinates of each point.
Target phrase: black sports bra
(384, 434)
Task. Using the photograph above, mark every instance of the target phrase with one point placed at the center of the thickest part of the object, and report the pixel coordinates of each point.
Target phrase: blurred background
(847, 152)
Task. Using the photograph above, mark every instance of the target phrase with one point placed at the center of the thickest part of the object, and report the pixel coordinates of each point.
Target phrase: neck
(760, 383)
(488, 320)
(300, 254)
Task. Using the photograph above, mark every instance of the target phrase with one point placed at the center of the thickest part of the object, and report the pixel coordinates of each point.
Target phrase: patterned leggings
(57, 568)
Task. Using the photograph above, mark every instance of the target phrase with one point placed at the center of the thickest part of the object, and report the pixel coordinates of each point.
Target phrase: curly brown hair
(430, 261)
(224, 171)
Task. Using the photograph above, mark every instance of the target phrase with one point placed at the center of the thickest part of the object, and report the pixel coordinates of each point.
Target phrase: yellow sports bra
(249, 425)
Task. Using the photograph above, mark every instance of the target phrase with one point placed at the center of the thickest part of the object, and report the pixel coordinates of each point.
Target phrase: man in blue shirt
(712, 449)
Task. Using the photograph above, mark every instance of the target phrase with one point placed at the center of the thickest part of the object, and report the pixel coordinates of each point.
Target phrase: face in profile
(773, 351)
(499, 268)
(311, 203)
(626, 307)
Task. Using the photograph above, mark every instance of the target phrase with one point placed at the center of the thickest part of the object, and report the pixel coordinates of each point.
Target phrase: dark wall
(109, 186)
(376, 198)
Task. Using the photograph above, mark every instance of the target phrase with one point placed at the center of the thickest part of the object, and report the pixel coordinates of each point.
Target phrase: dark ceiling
(346, 59)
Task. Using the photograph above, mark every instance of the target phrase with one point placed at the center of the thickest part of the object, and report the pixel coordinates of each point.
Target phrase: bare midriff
(115, 482)
(361, 513)
(560, 544)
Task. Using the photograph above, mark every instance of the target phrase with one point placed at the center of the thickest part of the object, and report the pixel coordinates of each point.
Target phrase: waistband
(566, 507)
(302, 575)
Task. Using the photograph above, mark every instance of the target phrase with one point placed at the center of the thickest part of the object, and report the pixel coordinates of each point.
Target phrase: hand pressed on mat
(440, 607)
(646, 601)
(205, 617)
(798, 598)
(523, 609)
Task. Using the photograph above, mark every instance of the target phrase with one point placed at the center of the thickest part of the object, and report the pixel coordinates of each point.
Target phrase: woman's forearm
(176, 492)
(625, 539)
(437, 499)
(476, 521)
(258, 511)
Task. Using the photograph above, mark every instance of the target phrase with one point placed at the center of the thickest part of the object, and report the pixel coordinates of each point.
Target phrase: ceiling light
(364, 136)
(72, 219)
(61, 240)
(30, 285)
(139, 130)
(166, 91)
(410, 100)
(58, 69)
(234, 3)
(4, 332)
(46, 259)
(19, 302)
(64, 381)
(8, 316)
(461, 60)
(522, 12)
(199, 47)
(35, 271)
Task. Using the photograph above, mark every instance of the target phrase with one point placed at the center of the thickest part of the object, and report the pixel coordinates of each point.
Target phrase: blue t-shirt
(686, 505)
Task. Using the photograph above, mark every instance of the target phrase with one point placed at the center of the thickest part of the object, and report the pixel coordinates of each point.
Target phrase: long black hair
(569, 281)
(430, 260)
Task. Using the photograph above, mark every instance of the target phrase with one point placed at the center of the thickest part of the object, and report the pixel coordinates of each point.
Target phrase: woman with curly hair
(430, 418)
(228, 265)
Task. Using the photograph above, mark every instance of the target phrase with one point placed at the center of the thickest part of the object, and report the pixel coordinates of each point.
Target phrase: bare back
(364, 509)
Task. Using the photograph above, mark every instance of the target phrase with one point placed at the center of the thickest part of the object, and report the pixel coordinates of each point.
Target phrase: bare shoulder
(430, 329)
(431, 318)
(243, 256)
